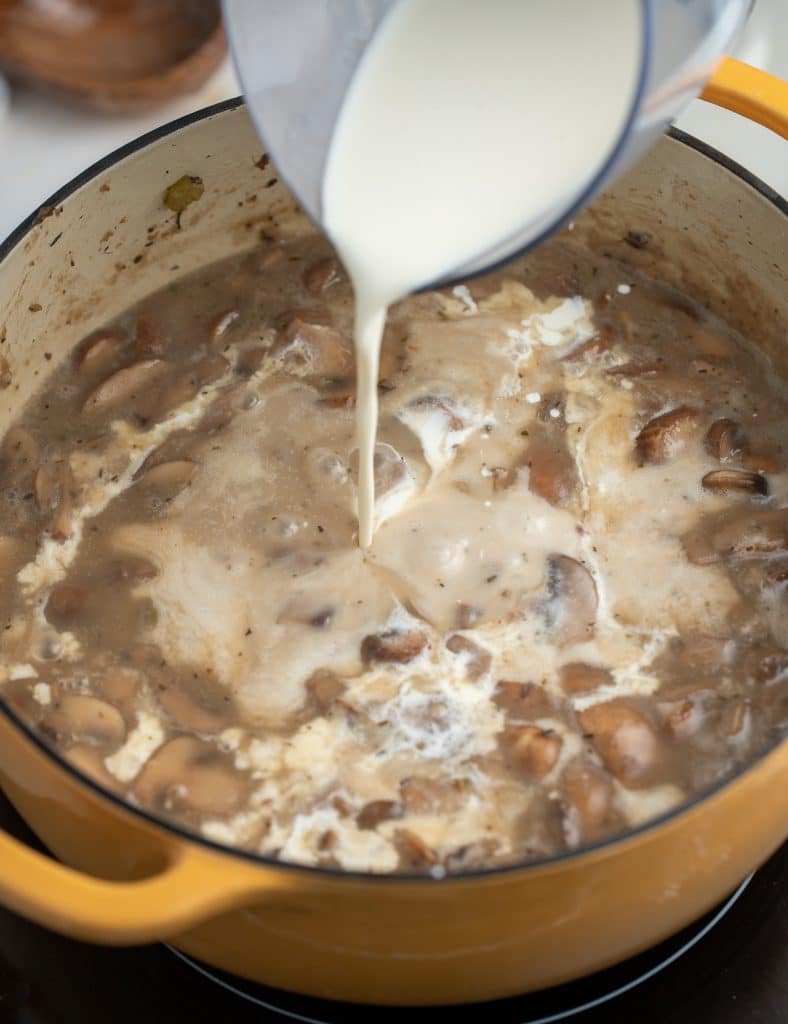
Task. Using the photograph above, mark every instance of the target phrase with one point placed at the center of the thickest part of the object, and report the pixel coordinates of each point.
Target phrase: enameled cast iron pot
(686, 215)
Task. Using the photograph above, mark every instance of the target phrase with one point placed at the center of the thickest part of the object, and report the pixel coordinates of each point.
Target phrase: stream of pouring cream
(464, 122)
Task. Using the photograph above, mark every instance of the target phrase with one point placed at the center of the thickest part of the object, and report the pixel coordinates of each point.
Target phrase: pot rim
(337, 874)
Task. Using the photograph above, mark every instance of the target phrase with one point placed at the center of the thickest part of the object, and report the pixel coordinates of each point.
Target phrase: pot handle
(189, 889)
(751, 92)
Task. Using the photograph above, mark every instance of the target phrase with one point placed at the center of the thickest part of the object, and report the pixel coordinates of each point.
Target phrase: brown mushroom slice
(592, 351)
(67, 603)
(221, 325)
(313, 351)
(196, 702)
(168, 479)
(168, 451)
(394, 645)
(477, 658)
(45, 487)
(250, 360)
(625, 740)
(725, 440)
(580, 677)
(225, 407)
(190, 778)
(98, 352)
(522, 700)
(377, 811)
(321, 275)
(637, 369)
(571, 608)
(147, 338)
(664, 436)
(62, 522)
(588, 801)
(77, 718)
(195, 377)
(735, 481)
(530, 749)
(324, 688)
(745, 534)
(687, 718)
(471, 856)
(124, 385)
(89, 760)
(423, 795)
(551, 471)
(318, 315)
(414, 852)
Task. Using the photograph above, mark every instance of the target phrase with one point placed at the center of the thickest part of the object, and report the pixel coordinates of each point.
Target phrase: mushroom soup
(572, 617)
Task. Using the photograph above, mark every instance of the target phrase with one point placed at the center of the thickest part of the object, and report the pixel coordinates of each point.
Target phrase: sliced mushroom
(90, 761)
(190, 778)
(168, 451)
(189, 383)
(666, 435)
(98, 352)
(687, 718)
(736, 719)
(393, 645)
(77, 718)
(422, 795)
(477, 659)
(62, 522)
(413, 851)
(580, 677)
(726, 441)
(552, 472)
(124, 385)
(147, 338)
(45, 487)
(570, 611)
(375, 813)
(531, 749)
(317, 315)
(735, 481)
(221, 325)
(594, 350)
(743, 534)
(226, 406)
(168, 479)
(324, 688)
(314, 351)
(250, 360)
(471, 856)
(197, 702)
(587, 799)
(625, 740)
(66, 604)
(319, 276)
(522, 700)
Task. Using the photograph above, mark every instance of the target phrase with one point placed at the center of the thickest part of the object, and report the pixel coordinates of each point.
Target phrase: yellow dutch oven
(701, 223)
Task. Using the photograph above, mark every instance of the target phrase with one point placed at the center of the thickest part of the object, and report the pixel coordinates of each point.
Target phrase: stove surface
(735, 973)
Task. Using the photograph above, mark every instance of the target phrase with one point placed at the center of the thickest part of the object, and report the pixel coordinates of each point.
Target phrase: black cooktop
(731, 968)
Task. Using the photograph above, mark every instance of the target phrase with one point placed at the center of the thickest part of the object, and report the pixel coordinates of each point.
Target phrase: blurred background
(78, 78)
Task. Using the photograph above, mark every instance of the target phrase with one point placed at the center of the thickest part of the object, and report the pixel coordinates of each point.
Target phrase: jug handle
(751, 92)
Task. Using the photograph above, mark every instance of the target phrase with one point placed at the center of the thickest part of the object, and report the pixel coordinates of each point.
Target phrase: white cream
(464, 124)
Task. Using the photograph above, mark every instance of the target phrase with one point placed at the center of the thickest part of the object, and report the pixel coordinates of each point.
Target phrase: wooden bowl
(113, 55)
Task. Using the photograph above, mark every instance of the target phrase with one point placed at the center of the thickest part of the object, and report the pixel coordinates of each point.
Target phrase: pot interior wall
(678, 216)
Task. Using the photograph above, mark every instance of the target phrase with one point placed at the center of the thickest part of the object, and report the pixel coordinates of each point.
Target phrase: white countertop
(44, 143)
